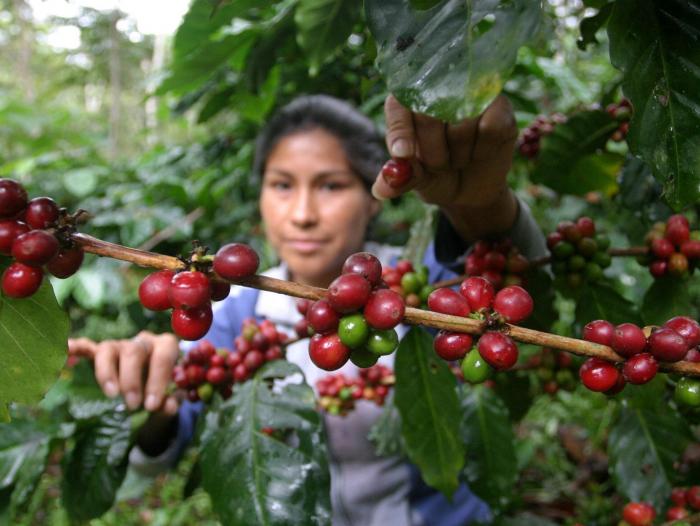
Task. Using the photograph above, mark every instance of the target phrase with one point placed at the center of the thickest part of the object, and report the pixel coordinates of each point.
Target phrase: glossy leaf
(254, 478)
(426, 397)
(449, 61)
(569, 160)
(84, 396)
(591, 25)
(600, 301)
(324, 25)
(644, 443)
(655, 44)
(667, 297)
(33, 332)
(491, 466)
(95, 467)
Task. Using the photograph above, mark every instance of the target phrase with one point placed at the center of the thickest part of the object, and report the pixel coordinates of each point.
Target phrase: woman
(319, 161)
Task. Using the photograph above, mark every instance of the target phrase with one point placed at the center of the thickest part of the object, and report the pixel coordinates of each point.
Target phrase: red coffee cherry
(366, 265)
(678, 496)
(618, 387)
(403, 266)
(42, 212)
(691, 249)
(452, 346)
(692, 496)
(348, 293)
(586, 226)
(499, 351)
(397, 172)
(628, 340)
(448, 301)
(9, 231)
(686, 327)
(241, 373)
(254, 360)
(667, 345)
(13, 198)
(513, 303)
(195, 374)
(640, 368)
(191, 324)
(66, 263)
(598, 375)
(20, 280)
(219, 290)
(236, 261)
(478, 291)
(328, 352)
(639, 514)
(662, 247)
(676, 513)
(658, 268)
(322, 317)
(190, 290)
(154, 291)
(677, 232)
(553, 239)
(599, 331)
(495, 261)
(302, 328)
(384, 309)
(35, 248)
(216, 375)
(259, 341)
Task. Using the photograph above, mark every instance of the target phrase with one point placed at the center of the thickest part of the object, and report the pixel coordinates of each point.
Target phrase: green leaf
(591, 25)
(33, 332)
(599, 301)
(254, 478)
(426, 397)
(422, 233)
(655, 44)
(86, 400)
(570, 159)
(386, 432)
(452, 60)
(95, 467)
(491, 467)
(667, 297)
(323, 26)
(645, 441)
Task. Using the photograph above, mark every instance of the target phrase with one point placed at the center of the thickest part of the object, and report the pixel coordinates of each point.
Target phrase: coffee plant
(616, 298)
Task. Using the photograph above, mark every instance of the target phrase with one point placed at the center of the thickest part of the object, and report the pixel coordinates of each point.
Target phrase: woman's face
(315, 209)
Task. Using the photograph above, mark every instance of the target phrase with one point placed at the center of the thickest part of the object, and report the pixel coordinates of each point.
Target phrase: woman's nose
(305, 209)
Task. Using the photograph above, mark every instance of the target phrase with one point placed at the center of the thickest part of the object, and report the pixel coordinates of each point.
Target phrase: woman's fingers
(400, 135)
(497, 131)
(133, 357)
(163, 357)
(107, 367)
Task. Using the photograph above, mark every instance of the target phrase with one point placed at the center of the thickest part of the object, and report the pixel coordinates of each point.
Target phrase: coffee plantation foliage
(536, 445)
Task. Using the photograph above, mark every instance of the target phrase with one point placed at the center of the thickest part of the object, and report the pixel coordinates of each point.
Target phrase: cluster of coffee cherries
(529, 141)
(642, 349)
(644, 514)
(500, 262)
(553, 369)
(478, 299)
(410, 282)
(205, 370)
(621, 112)
(338, 393)
(397, 172)
(578, 253)
(36, 234)
(673, 248)
(356, 319)
(189, 293)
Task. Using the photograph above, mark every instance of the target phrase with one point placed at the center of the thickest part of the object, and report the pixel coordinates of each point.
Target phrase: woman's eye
(280, 185)
(333, 186)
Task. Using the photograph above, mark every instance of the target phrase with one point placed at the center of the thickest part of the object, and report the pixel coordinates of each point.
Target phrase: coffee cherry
(9, 231)
(640, 368)
(403, 266)
(190, 290)
(586, 226)
(598, 375)
(677, 232)
(678, 496)
(667, 345)
(618, 387)
(676, 513)
(215, 376)
(241, 373)
(382, 342)
(328, 352)
(691, 249)
(677, 264)
(253, 360)
(686, 327)
(513, 303)
(35, 248)
(499, 351)
(259, 341)
(66, 263)
(479, 292)
(322, 317)
(475, 369)
(301, 328)
(13, 198)
(662, 247)
(448, 301)
(363, 359)
(191, 324)
(273, 353)
(411, 283)
(348, 293)
(452, 346)
(154, 291)
(20, 280)
(384, 309)
(219, 290)
(553, 239)
(495, 261)
(236, 261)
(366, 265)
(658, 268)
(687, 392)
(628, 340)
(692, 496)
(639, 514)
(353, 330)
(42, 212)
(195, 374)
(587, 247)
(397, 172)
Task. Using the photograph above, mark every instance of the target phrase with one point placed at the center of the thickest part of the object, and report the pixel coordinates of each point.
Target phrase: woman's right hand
(139, 369)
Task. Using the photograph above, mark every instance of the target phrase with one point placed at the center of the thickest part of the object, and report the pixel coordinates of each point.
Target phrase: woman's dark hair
(362, 142)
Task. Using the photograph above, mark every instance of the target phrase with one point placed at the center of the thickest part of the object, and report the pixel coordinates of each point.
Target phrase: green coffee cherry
(363, 358)
(602, 259)
(563, 250)
(353, 330)
(475, 369)
(577, 262)
(411, 283)
(382, 342)
(688, 392)
(425, 292)
(422, 273)
(205, 392)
